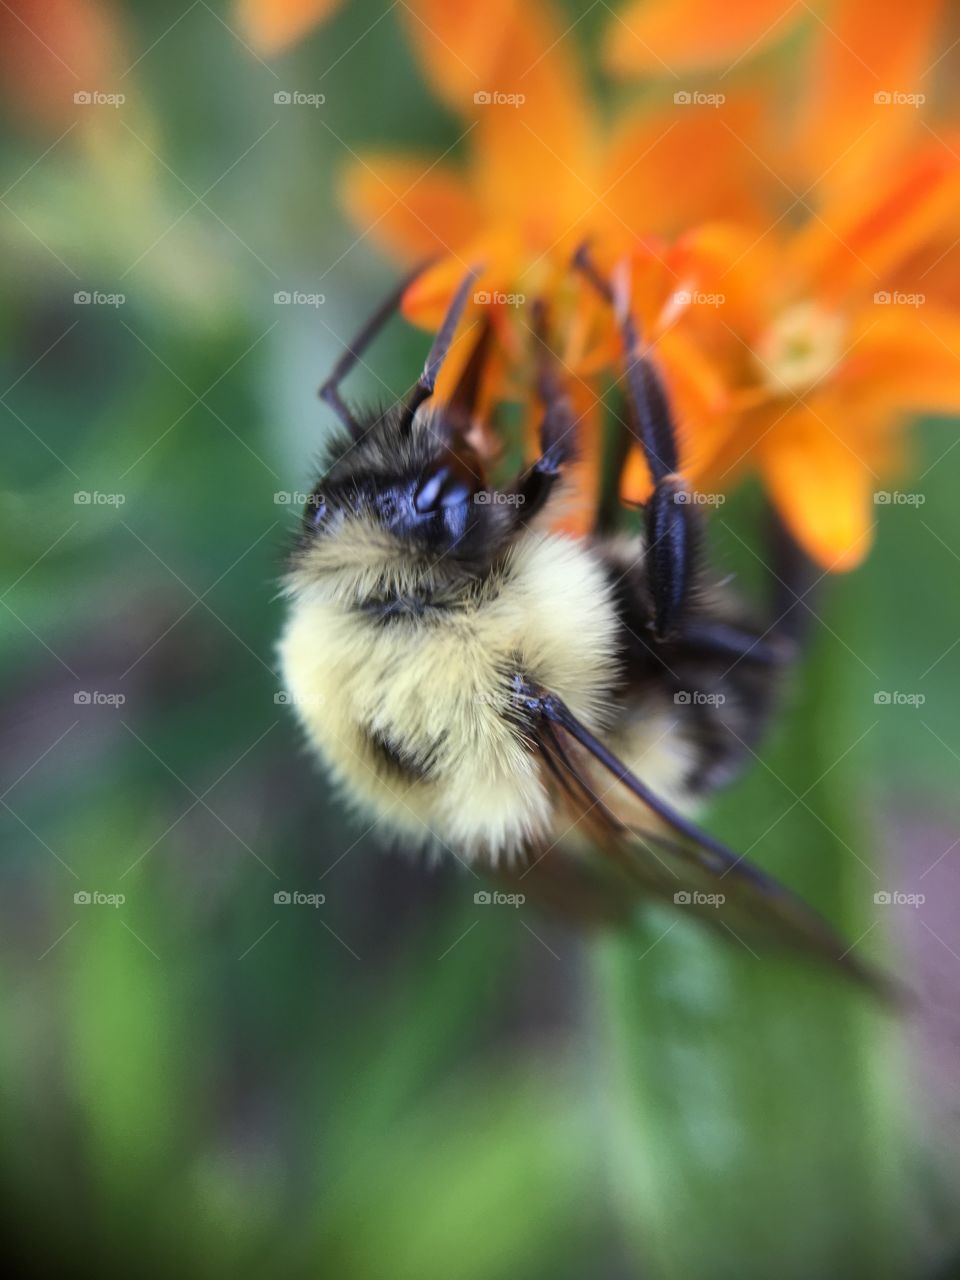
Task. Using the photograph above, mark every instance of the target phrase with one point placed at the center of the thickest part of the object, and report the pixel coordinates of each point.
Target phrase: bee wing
(675, 860)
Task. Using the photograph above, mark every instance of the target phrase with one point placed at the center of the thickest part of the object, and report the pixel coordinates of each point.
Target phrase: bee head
(399, 510)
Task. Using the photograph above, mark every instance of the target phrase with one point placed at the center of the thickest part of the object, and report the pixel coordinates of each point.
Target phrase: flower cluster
(774, 183)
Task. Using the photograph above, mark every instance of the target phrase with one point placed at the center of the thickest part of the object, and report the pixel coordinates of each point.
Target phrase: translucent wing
(675, 860)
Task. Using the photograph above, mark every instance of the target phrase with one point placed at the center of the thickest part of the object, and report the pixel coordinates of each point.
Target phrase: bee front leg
(672, 522)
(557, 433)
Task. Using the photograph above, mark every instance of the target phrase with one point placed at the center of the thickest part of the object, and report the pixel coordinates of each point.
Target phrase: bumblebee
(523, 700)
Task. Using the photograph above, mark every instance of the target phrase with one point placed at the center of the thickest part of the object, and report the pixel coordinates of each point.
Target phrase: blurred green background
(201, 1081)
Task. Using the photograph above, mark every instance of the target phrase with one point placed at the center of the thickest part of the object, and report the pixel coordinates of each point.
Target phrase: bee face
(420, 496)
(427, 508)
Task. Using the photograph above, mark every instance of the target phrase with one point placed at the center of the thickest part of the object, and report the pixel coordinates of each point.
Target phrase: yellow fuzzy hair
(437, 688)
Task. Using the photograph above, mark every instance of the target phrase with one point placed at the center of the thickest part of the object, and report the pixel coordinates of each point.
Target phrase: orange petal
(671, 36)
(413, 208)
(428, 297)
(821, 487)
(680, 166)
(908, 356)
(53, 49)
(866, 243)
(535, 165)
(744, 271)
(697, 383)
(458, 45)
(581, 488)
(863, 50)
(270, 26)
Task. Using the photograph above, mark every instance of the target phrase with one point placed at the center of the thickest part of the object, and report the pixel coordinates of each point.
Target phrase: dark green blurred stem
(754, 1124)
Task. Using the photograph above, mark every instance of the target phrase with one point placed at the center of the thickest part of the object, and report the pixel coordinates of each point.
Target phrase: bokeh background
(199, 1080)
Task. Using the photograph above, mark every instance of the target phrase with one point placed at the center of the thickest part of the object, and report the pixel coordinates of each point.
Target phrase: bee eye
(448, 486)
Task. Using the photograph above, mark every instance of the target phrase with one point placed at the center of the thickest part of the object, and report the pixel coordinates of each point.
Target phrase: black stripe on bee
(403, 760)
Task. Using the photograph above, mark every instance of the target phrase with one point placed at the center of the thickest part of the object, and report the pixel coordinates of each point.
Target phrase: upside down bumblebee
(482, 685)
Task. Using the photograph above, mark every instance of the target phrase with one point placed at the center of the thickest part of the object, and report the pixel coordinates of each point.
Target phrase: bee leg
(330, 390)
(671, 520)
(438, 352)
(557, 426)
(462, 405)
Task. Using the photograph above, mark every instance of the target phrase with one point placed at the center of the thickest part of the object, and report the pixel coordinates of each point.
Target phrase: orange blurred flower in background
(788, 227)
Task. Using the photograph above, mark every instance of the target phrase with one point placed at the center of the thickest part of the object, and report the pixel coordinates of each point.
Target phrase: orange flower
(836, 61)
(544, 176)
(801, 373)
(825, 349)
(831, 335)
(51, 50)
